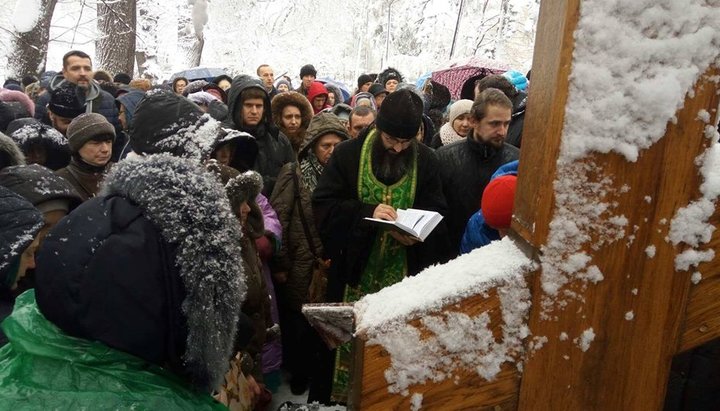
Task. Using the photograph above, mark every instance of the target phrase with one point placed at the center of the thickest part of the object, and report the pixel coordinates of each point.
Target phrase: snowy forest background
(342, 38)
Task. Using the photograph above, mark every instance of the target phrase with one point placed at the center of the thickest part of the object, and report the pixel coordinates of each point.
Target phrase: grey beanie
(86, 127)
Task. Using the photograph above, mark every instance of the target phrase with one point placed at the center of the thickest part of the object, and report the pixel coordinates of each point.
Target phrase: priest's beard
(387, 165)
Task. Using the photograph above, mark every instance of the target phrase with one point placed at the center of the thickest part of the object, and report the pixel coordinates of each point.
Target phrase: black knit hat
(122, 78)
(308, 70)
(67, 100)
(364, 78)
(377, 89)
(401, 114)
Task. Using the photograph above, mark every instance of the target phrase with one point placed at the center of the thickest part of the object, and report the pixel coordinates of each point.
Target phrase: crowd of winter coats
(138, 216)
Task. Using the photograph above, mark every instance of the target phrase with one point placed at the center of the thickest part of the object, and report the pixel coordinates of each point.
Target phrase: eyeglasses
(393, 141)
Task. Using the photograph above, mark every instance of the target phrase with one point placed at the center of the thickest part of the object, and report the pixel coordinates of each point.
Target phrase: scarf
(448, 134)
(310, 169)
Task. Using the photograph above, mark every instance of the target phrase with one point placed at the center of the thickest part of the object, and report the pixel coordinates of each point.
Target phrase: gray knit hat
(86, 127)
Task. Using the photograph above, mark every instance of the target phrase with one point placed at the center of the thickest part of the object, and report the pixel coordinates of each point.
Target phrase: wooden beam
(543, 119)
(468, 391)
(702, 319)
(637, 311)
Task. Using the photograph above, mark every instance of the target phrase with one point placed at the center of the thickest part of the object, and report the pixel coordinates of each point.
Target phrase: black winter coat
(514, 135)
(347, 239)
(466, 167)
(19, 223)
(274, 148)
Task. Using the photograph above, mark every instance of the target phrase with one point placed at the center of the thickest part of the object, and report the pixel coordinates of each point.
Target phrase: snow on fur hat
(67, 100)
(458, 108)
(178, 305)
(167, 123)
(401, 114)
(498, 200)
(86, 127)
(389, 74)
(244, 187)
(517, 78)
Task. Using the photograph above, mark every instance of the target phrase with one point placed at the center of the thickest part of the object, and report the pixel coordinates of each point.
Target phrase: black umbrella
(199, 73)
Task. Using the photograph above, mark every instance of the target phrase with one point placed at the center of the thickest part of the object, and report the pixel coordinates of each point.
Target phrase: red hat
(497, 201)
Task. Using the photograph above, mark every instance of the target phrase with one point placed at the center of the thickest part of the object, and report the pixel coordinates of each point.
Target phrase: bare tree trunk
(191, 38)
(115, 46)
(146, 50)
(29, 49)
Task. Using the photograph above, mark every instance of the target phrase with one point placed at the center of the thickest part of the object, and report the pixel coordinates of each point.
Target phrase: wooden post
(637, 311)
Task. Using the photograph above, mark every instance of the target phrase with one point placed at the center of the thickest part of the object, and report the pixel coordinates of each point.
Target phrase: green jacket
(41, 368)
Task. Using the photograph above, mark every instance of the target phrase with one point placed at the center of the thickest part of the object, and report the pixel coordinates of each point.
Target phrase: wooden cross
(642, 313)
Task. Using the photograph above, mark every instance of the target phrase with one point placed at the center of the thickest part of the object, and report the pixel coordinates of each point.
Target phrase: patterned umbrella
(455, 75)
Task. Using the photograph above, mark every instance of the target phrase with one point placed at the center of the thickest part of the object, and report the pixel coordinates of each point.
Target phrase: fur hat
(86, 127)
(244, 187)
(389, 74)
(308, 70)
(362, 79)
(498, 200)
(401, 114)
(67, 100)
(459, 107)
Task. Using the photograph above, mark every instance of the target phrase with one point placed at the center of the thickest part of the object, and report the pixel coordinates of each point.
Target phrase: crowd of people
(159, 241)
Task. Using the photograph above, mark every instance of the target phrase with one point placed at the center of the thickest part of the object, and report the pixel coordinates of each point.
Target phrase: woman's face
(331, 99)
(224, 154)
(283, 88)
(180, 86)
(461, 124)
(291, 119)
(325, 146)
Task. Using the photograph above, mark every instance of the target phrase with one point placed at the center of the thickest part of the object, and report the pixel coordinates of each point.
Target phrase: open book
(417, 223)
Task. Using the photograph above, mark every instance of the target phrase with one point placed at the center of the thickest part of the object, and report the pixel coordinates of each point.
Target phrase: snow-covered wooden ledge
(617, 199)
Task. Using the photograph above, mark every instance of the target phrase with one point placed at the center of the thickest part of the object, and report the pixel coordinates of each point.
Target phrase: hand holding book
(410, 222)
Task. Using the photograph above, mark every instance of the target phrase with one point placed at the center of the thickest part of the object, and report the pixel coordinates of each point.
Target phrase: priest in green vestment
(385, 169)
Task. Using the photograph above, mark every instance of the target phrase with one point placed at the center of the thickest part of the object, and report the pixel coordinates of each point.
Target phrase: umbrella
(456, 74)
(199, 73)
(343, 88)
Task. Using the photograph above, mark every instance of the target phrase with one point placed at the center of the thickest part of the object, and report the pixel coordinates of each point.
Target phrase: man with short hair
(90, 137)
(307, 75)
(360, 117)
(383, 170)
(249, 110)
(466, 166)
(77, 69)
(518, 98)
(266, 74)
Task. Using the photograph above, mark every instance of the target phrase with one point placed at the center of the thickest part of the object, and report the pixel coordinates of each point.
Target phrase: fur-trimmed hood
(192, 211)
(164, 250)
(292, 98)
(10, 154)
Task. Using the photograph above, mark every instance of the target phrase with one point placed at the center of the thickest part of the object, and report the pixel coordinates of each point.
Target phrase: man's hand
(385, 212)
(404, 239)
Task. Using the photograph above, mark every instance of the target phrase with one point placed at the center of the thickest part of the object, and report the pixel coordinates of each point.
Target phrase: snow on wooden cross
(616, 211)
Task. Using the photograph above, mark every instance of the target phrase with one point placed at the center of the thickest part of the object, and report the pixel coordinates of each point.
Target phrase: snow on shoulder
(457, 340)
